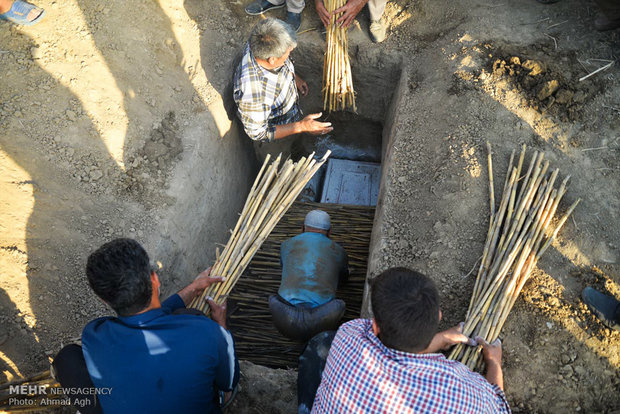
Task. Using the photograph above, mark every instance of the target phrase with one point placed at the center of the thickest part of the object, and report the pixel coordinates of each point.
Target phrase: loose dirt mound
(542, 88)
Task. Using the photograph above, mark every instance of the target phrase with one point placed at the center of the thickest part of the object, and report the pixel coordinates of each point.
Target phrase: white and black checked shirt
(264, 98)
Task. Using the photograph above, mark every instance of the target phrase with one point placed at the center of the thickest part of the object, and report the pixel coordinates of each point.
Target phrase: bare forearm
(495, 375)
(188, 293)
(221, 322)
(283, 131)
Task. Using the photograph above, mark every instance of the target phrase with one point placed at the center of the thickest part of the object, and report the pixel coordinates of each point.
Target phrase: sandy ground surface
(99, 105)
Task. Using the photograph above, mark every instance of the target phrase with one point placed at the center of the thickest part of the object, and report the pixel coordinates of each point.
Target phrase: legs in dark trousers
(610, 8)
(605, 307)
(311, 365)
(301, 322)
(71, 372)
(609, 17)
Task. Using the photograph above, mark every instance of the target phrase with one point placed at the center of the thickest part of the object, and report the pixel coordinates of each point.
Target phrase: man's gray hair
(272, 38)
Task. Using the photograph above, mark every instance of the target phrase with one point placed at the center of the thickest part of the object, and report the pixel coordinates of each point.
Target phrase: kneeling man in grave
(312, 267)
(266, 88)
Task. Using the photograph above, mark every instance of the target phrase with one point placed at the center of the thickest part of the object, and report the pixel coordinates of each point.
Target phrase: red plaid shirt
(364, 376)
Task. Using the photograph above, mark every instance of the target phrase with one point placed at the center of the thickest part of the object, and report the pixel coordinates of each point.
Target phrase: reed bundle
(256, 339)
(520, 231)
(338, 93)
(30, 402)
(273, 191)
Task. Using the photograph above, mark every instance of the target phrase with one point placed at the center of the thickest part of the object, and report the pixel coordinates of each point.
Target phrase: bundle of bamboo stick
(30, 401)
(272, 193)
(256, 338)
(338, 93)
(520, 231)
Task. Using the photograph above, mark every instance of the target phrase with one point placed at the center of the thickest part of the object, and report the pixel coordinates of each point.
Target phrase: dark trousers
(610, 8)
(302, 322)
(71, 372)
(311, 365)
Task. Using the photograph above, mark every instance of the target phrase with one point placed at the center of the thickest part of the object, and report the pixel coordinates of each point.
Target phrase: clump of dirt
(538, 83)
(148, 167)
(544, 89)
(163, 145)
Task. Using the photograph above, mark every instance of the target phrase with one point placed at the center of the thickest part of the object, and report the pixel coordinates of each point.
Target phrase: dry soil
(103, 103)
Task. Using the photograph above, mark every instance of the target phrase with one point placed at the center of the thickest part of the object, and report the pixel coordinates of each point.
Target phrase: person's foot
(21, 12)
(377, 30)
(603, 306)
(294, 19)
(260, 7)
(603, 23)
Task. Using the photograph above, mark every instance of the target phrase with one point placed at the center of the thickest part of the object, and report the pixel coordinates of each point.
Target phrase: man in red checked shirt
(392, 364)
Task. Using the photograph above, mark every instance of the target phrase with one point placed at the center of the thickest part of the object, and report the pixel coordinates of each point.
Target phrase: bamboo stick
(521, 277)
(526, 211)
(485, 254)
(491, 321)
(272, 193)
(338, 93)
(491, 190)
(490, 312)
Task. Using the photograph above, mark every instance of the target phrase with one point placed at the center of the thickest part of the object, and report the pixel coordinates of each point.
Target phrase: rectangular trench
(366, 136)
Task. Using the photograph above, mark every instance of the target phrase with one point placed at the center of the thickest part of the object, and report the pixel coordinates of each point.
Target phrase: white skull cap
(318, 219)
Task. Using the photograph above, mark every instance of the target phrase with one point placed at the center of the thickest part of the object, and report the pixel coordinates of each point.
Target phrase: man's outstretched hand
(442, 341)
(202, 281)
(310, 125)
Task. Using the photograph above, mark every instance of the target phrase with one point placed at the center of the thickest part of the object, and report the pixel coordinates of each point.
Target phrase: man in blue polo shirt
(154, 357)
(312, 266)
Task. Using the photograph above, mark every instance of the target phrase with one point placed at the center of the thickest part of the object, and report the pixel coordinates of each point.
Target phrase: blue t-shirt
(312, 264)
(157, 362)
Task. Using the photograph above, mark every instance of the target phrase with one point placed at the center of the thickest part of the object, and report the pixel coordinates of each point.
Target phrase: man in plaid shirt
(265, 86)
(391, 364)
